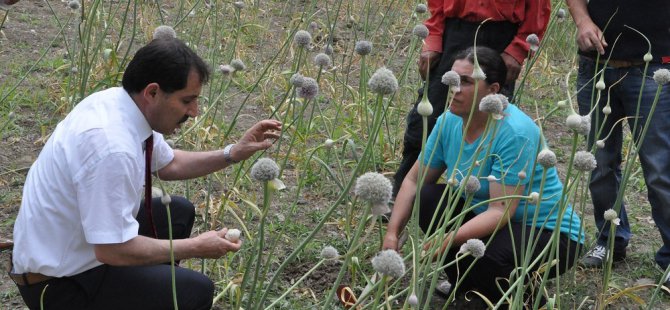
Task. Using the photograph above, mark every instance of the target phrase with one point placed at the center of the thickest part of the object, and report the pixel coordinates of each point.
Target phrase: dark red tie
(148, 150)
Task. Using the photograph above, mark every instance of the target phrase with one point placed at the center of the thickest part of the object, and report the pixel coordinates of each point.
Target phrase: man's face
(171, 110)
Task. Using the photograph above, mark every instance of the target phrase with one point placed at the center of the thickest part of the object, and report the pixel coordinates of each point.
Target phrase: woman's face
(463, 100)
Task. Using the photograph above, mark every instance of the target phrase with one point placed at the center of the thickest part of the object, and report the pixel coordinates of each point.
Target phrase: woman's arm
(402, 209)
(486, 223)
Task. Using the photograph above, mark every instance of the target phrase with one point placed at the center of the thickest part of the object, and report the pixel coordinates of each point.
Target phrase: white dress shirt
(85, 187)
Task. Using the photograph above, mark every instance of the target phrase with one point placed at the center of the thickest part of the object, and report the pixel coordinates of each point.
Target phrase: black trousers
(499, 259)
(136, 287)
(458, 35)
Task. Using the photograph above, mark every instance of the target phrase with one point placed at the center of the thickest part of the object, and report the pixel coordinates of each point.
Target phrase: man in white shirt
(81, 233)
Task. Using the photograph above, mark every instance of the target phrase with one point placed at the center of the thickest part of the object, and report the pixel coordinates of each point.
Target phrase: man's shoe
(597, 257)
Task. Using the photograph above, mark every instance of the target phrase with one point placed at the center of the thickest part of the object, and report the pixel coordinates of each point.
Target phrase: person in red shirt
(451, 28)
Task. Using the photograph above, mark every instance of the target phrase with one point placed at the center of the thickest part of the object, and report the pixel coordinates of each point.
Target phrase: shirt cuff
(433, 43)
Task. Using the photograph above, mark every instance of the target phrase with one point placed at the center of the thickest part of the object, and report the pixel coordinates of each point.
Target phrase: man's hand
(428, 58)
(390, 242)
(213, 244)
(256, 139)
(513, 68)
(590, 37)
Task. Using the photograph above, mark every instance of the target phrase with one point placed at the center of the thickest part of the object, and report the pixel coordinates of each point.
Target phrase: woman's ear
(494, 88)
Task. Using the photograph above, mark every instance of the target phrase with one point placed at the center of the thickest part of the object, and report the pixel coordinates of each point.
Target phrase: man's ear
(150, 92)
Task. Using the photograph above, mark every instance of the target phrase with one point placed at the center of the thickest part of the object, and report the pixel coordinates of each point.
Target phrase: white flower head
(226, 69)
(547, 158)
(600, 144)
(265, 170)
(662, 76)
(389, 263)
(329, 143)
(601, 83)
(471, 184)
(424, 107)
(412, 300)
(383, 82)
(585, 161)
(607, 110)
(302, 39)
(238, 64)
(610, 215)
(376, 189)
(534, 197)
(453, 80)
(164, 32)
(329, 252)
(562, 103)
(421, 8)
(309, 88)
(297, 79)
(233, 235)
(363, 47)
(494, 104)
(584, 125)
(573, 121)
(74, 5)
(420, 31)
(475, 247)
(166, 199)
(647, 57)
(322, 60)
(534, 41)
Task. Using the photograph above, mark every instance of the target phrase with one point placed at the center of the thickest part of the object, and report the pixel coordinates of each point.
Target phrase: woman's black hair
(167, 62)
(489, 60)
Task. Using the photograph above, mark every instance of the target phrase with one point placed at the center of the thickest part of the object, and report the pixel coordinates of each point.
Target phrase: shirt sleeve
(515, 154)
(108, 198)
(162, 155)
(435, 25)
(536, 18)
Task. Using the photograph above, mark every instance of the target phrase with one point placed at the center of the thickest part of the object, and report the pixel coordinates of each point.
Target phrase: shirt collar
(136, 119)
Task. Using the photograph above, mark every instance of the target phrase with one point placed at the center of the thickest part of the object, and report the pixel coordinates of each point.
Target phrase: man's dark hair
(489, 60)
(167, 62)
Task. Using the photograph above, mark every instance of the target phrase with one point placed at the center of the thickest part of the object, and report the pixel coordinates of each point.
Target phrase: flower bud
(607, 110)
(166, 199)
(600, 144)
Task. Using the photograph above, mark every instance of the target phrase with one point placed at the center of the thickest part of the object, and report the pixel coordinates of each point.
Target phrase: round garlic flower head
(607, 110)
(164, 32)
(573, 121)
(585, 125)
(363, 47)
(600, 144)
(478, 73)
(302, 38)
(534, 41)
(475, 247)
(534, 197)
(452, 79)
(329, 252)
(239, 4)
(166, 199)
(492, 103)
(233, 235)
(297, 80)
(522, 175)
(424, 107)
(329, 143)
(238, 64)
(322, 60)
(662, 76)
(383, 82)
(412, 300)
(421, 8)
(309, 88)
(585, 161)
(226, 69)
(313, 26)
(560, 14)
(471, 184)
(546, 158)
(389, 263)
(420, 31)
(74, 5)
(265, 169)
(610, 215)
(374, 188)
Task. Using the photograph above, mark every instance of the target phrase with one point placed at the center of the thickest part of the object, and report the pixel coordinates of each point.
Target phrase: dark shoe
(597, 257)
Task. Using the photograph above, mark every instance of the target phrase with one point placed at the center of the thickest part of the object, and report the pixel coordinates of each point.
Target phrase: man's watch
(226, 154)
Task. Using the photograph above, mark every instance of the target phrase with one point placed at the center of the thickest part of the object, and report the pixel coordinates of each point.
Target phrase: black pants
(458, 35)
(499, 259)
(136, 287)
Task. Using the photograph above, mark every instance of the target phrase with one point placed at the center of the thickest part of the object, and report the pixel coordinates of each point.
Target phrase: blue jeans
(654, 153)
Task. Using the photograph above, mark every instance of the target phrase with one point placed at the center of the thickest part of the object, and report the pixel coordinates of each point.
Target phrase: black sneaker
(596, 257)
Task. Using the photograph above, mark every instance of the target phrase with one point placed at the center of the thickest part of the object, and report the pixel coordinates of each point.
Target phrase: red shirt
(532, 16)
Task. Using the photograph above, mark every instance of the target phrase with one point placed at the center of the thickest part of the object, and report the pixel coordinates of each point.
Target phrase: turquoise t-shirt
(512, 149)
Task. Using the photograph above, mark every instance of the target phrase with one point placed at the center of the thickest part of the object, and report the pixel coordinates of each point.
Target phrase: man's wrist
(227, 154)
